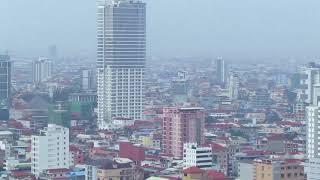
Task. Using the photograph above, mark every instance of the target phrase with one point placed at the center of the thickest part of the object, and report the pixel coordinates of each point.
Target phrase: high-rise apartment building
(195, 155)
(121, 59)
(181, 125)
(221, 71)
(42, 70)
(313, 145)
(234, 83)
(50, 149)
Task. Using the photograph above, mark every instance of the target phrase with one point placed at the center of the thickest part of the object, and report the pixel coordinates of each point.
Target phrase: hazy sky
(229, 28)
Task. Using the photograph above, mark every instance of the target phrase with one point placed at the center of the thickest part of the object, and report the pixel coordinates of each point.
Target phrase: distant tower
(42, 70)
(88, 78)
(221, 71)
(121, 59)
(234, 86)
(5, 86)
(5, 79)
(53, 52)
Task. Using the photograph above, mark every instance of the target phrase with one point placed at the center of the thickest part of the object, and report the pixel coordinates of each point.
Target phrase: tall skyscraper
(181, 125)
(42, 70)
(234, 86)
(5, 78)
(5, 86)
(221, 71)
(50, 149)
(121, 59)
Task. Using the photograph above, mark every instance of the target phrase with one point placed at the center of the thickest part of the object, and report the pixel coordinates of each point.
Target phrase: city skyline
(175, 90)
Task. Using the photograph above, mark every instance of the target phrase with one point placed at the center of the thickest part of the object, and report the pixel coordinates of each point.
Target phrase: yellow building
(270, 169)
(146, 141)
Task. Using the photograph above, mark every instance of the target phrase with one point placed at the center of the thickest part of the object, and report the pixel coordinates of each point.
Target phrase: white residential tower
(42, 70)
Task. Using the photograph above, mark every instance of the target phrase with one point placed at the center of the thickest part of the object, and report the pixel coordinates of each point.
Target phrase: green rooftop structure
(60, 114)
(82, 110)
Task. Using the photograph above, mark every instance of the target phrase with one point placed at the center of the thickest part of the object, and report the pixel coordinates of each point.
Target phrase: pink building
(181, 125)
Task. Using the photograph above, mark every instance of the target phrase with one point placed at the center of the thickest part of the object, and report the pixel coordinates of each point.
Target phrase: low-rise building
(195, 155)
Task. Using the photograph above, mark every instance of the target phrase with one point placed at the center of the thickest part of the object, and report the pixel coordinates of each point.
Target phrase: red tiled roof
(20, 174)
(216, 175)
(289, 123)
(216, 147)
(61, 170)
(193, 170)
(74, 148)
(275, 137)
(293, 160)
(258, 152)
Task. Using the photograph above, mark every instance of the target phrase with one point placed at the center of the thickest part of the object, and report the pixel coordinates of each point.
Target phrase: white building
(50, 149)
(91, 172)
(309, 76)
(42, 70)
(194, 155)
(234, 83)
(121, 59)
(120, 123)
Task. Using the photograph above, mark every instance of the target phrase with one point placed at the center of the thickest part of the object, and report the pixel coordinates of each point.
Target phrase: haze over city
(232, 29)
(159, 90)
